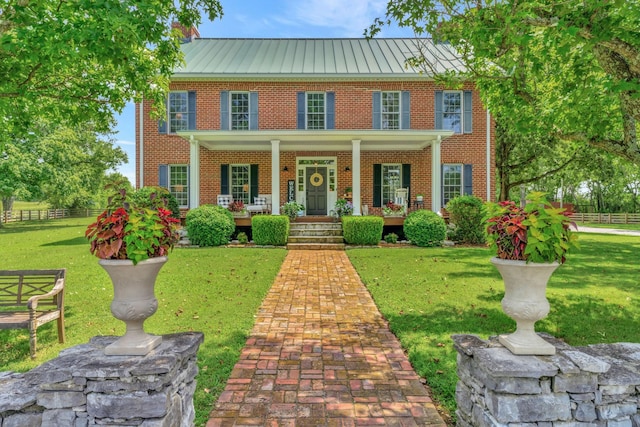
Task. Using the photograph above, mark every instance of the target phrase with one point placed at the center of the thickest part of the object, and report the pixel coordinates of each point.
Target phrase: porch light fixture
(285, 169)
(347, 169)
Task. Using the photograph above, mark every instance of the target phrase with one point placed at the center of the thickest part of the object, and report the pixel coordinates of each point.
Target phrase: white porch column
(436, 176)
(194, 173)
(275, 177)
(355, 176)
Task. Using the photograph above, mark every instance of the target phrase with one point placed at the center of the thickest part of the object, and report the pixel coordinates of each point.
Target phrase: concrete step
(315, 225)
(316, 246)
(315, 232)
(316, 239)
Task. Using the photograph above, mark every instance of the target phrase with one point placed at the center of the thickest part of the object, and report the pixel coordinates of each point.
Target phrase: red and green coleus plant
(136, 233)
(391, 208)
(237, 206)
(536, 233)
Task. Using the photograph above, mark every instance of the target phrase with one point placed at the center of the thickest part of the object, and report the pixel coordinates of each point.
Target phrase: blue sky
(274, 18)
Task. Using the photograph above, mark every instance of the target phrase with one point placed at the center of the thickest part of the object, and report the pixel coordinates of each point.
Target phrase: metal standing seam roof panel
(312, 57)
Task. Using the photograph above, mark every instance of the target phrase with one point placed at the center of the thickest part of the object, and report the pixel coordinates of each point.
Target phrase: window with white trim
(391, 181)
(452, 111)
(178, 184)
(390, 110)
(451, 182)
(316, 110)
(240, 182)
(239, 109)
(178, 111)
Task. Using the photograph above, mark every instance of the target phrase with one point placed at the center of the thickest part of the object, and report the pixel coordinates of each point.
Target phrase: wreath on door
(316, 179)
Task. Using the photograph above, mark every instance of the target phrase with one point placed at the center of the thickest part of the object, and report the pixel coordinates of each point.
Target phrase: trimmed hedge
(466, 215)
(209, 225)
(425, 228)
(270, 229)
(362, 230)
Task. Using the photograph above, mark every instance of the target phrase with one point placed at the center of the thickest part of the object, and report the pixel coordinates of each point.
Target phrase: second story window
(239, 110)
(178, 111)
(315, 111)
(454, 111)
(390, 110)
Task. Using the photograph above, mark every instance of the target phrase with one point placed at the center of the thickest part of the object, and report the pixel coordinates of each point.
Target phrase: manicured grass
(18, 206)
(427, 295)
(215, 290)
(616, 226)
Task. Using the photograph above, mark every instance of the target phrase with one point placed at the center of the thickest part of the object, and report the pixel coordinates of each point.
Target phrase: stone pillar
(83, 387)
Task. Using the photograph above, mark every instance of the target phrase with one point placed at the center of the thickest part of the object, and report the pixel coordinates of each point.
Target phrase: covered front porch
(317, 169)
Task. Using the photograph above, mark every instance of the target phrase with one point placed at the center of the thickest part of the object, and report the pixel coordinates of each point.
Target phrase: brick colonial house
(304, 119)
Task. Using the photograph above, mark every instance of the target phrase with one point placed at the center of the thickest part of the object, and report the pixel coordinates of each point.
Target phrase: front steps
(315, 236)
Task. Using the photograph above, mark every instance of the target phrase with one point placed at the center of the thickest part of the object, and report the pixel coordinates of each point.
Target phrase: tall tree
(82, 60)
(569, 69)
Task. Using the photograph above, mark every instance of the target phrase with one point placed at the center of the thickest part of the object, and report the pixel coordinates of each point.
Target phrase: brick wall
(353, 110)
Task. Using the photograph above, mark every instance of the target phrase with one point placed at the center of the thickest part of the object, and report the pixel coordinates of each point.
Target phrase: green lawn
(429, 294)
(18, 205)
(216, 291)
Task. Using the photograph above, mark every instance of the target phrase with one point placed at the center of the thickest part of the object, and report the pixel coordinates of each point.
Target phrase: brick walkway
(320, 354)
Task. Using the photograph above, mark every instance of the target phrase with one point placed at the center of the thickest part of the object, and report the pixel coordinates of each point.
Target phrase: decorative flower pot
(525, 302)
(240, 214)
(133, 302)
(419, 198)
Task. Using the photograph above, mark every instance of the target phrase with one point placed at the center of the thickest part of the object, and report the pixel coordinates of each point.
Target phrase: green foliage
(362, 230)
(467, 214)
(391, 238)
(79, 63)
(143, 196)
(537, 233)
(135, 232)
(209, 225)
(243, 239)
(343, 207)
(425, 228)
(270, 230)
(292, 209)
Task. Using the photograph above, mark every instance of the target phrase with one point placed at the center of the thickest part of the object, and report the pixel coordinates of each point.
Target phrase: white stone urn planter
(133, 302)
(525, 302)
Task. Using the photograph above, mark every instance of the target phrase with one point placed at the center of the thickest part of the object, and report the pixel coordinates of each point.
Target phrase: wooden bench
(30, 298)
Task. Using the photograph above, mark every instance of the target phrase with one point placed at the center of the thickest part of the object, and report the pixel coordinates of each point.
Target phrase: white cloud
(125, 143)
(349, 18)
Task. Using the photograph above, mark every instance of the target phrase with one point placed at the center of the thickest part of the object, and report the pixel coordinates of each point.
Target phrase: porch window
(391, 181)
(315, 110)
(178, 184)
(178, 113)
(239, 110)
(390, 110)
(451, 182)
(240, 182)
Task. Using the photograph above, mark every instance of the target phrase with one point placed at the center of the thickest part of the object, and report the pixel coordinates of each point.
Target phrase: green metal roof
(312, 58)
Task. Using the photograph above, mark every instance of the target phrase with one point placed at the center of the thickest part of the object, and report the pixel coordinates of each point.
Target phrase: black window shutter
(253, 171)
(467, 178)
(224, 111)
(330, 98)
(406, 179)
(191, 105)
(377, 185)
(253, 110)
(224, 179)
(468, 111)
(438, 109)
(377, 110)
(301, 110)
(163, 176)
(405, 102)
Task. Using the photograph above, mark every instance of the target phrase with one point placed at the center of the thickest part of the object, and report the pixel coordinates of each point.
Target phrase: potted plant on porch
(132, 242)
(530, 243)
(238, 210)
(292, 209)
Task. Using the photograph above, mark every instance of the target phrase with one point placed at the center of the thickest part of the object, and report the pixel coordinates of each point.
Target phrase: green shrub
(425, 228)
(270, 229)
(142, 196)
(243, 239)
(209, 225)
(391, 238)
(362, 230)
(466, 214)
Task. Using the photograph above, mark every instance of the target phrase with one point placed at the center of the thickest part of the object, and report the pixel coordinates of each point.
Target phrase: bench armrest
(32, 303)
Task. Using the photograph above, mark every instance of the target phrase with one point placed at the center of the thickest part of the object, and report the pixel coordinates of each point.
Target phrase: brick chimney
(187, 34)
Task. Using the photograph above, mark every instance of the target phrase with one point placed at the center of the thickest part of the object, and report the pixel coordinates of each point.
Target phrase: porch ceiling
(321, 140)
